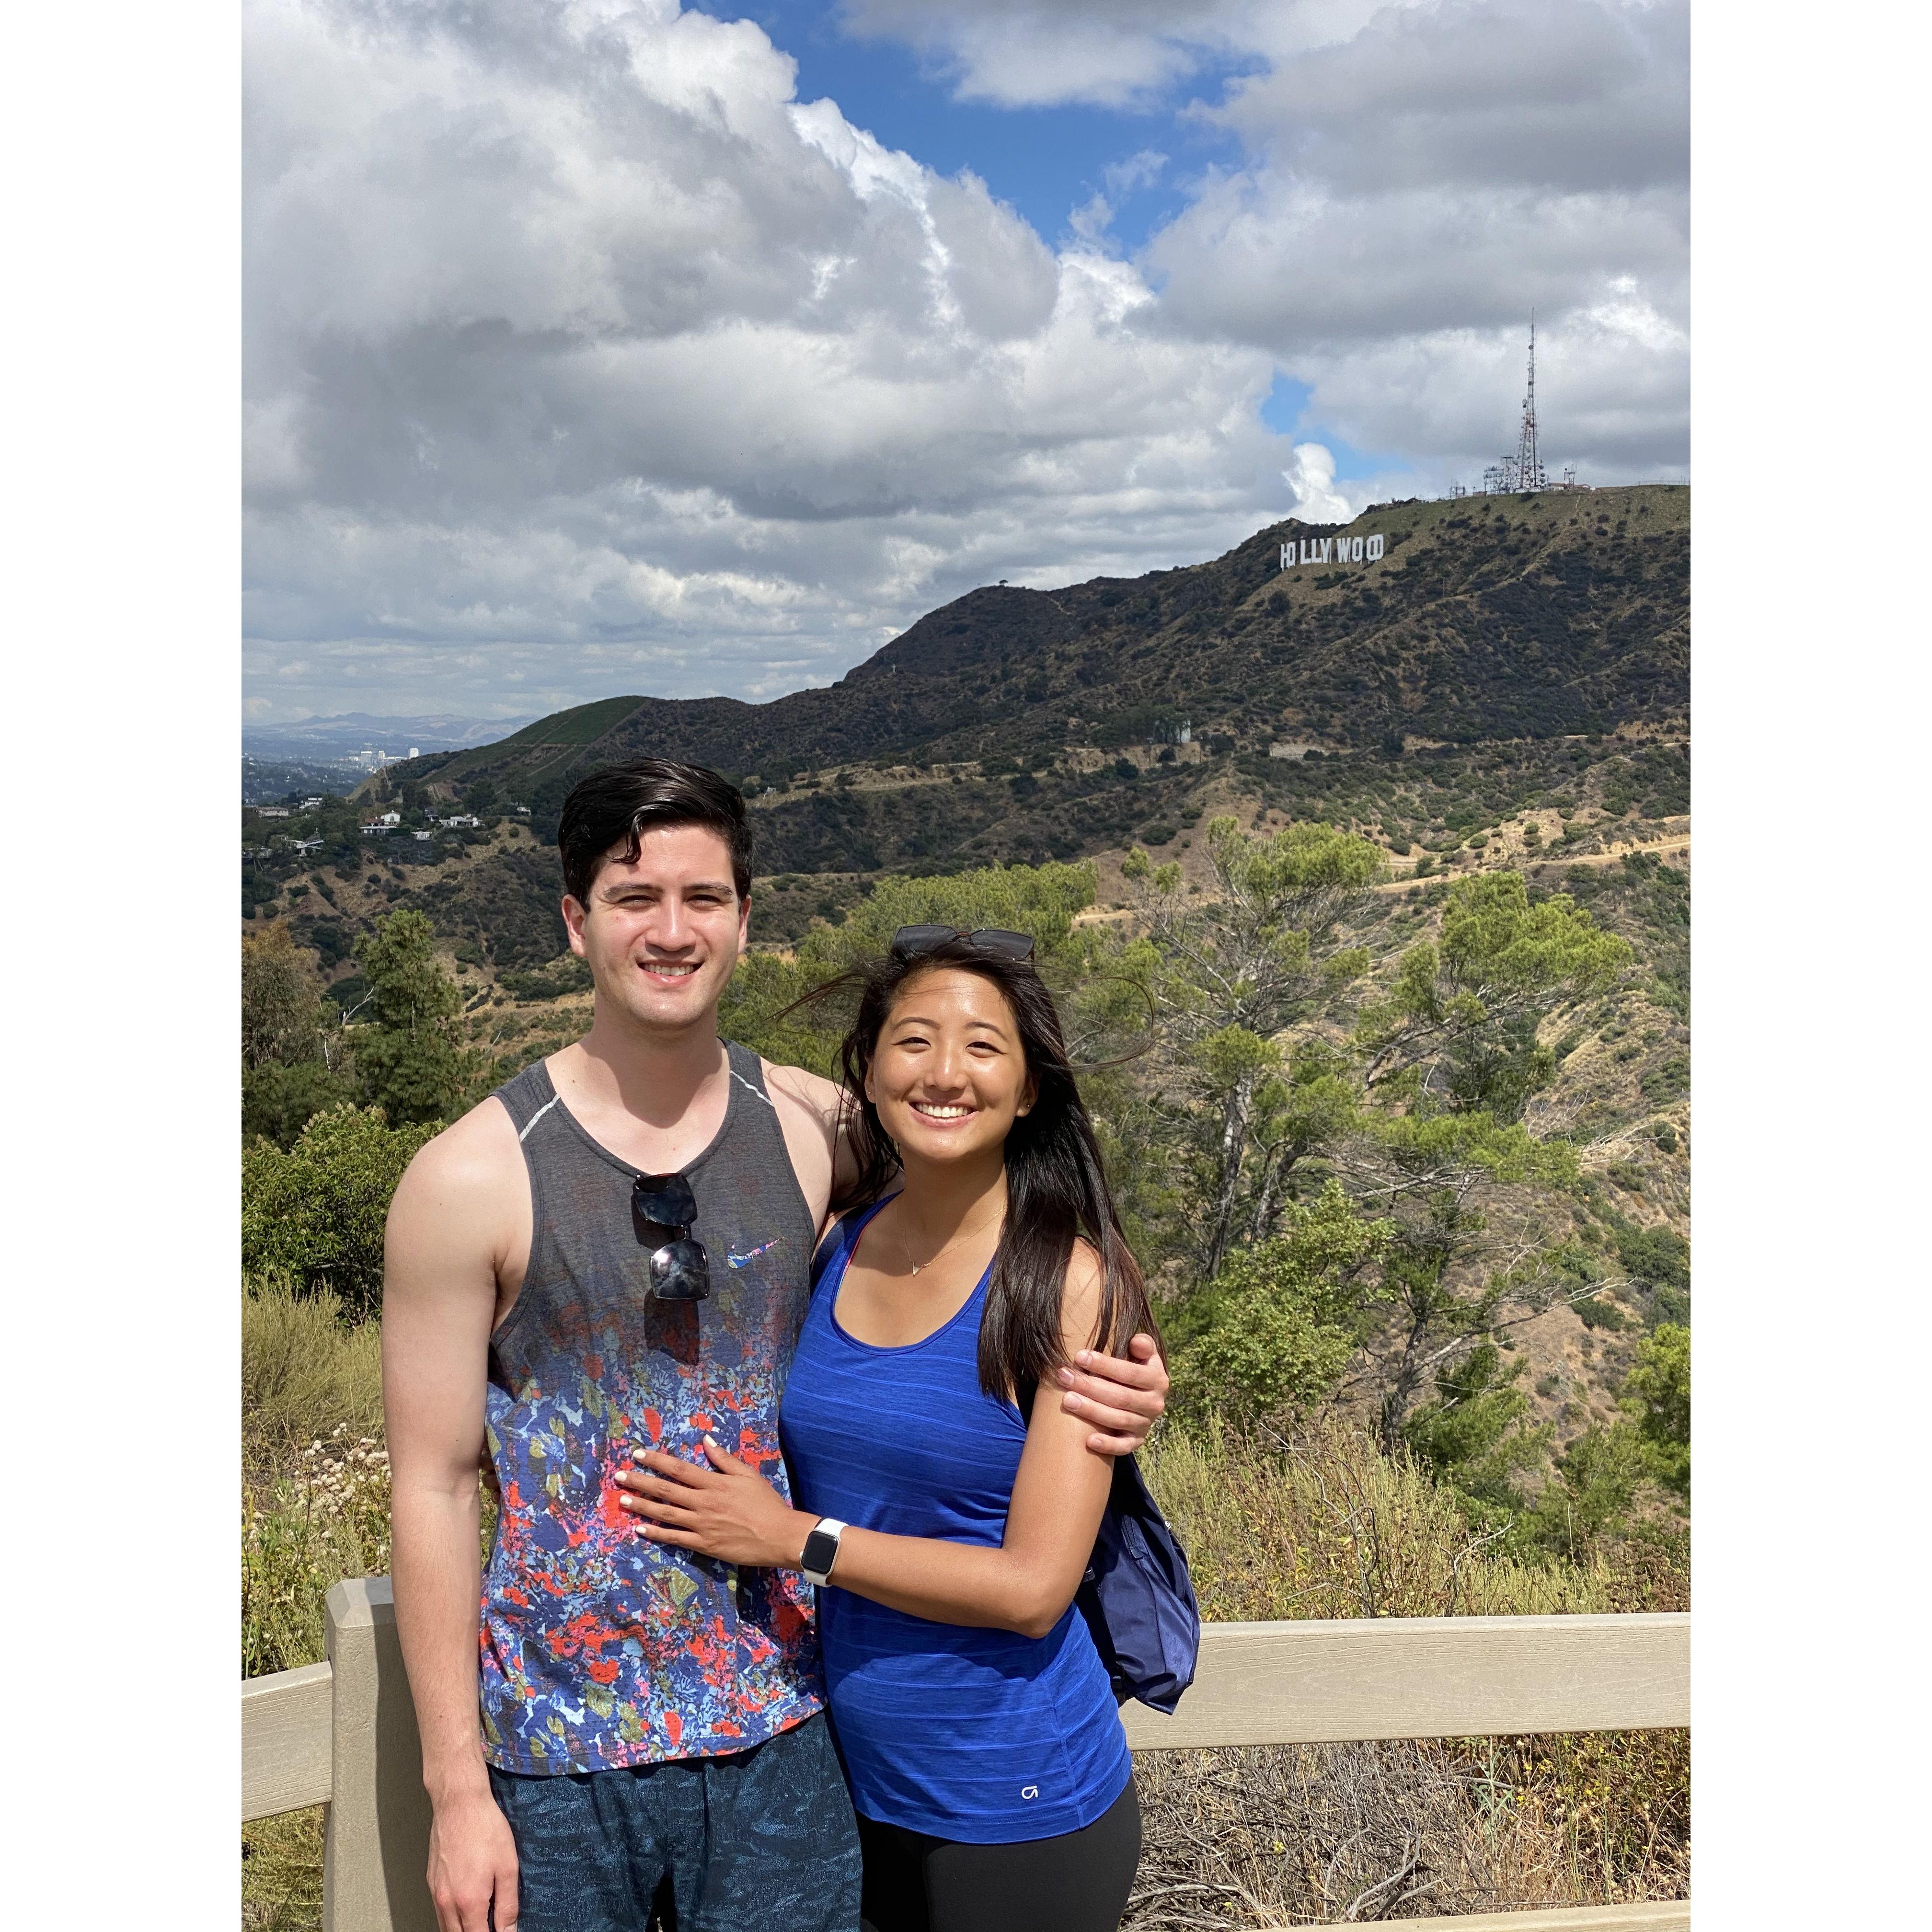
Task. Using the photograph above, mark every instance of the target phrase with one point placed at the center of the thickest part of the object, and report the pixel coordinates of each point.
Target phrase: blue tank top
(983, 1736)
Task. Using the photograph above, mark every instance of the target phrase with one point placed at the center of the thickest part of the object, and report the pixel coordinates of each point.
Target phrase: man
(613, 1252)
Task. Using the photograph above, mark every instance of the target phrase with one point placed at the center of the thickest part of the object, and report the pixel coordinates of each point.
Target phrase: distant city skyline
(703, 353)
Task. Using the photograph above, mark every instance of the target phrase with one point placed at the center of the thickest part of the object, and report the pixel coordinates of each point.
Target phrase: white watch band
(826, 1526)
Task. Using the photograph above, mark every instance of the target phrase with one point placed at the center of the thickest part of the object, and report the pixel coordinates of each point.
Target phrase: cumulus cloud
(1414, 180)
(1031, 53)
(582, 355)
(1310, 477)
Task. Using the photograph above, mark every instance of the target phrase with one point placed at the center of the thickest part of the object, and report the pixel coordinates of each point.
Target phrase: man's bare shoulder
(473, 1160)
(812, 1092)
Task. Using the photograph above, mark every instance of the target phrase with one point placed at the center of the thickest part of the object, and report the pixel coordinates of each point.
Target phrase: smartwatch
(821, 1550)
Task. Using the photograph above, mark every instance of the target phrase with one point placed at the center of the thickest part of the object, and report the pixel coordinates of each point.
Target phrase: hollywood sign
(1330, 550)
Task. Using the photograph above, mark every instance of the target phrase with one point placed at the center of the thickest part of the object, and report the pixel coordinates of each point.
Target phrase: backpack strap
(829, 1249)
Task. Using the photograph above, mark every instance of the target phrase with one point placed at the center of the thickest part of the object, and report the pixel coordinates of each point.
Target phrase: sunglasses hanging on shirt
(680, 1269)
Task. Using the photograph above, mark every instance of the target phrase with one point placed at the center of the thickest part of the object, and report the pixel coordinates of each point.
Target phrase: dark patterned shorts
(764, 1837)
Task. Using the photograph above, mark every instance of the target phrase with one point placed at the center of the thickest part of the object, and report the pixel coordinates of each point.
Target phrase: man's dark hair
(617, 805)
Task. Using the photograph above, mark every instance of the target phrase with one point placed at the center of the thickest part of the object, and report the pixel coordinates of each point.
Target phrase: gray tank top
(601, 1647)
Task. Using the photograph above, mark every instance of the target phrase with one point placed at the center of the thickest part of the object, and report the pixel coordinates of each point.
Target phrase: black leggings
(1076, 1883)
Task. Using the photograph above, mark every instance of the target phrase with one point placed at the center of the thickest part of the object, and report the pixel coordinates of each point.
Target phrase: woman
(949, 1516)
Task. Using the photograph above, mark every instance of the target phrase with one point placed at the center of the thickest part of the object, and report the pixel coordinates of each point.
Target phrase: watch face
(820, 1549)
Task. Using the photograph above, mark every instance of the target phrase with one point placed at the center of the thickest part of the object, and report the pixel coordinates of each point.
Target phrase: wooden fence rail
(343, 1733)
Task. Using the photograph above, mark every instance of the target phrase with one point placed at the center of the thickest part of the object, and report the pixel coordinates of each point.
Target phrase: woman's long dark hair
(1057, 1188)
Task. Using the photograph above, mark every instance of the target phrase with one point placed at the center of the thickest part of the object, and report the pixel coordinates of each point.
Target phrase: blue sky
(1046, 160)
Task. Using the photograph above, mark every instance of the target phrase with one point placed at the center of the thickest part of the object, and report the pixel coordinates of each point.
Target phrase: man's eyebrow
(652, 886)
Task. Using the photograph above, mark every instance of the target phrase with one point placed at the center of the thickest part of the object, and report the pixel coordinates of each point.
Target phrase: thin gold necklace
(905, 1246)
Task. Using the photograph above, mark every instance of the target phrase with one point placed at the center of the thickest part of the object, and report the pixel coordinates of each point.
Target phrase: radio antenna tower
(1529, 465)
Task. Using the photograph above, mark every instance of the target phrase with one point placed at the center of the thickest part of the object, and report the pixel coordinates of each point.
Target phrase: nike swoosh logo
(751, 1255)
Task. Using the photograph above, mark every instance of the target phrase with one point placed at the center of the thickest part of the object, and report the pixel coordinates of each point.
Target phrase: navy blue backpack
(1137, 1596)
(1139, 1599)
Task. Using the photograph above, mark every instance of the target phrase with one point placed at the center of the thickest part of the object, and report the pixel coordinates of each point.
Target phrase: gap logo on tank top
(599, 1647)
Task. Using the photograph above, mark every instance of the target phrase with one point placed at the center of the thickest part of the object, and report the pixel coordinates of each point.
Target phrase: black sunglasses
(910, 941)
(680, 1269)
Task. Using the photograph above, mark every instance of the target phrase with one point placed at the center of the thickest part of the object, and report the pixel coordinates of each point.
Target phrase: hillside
(1517, 624)
(1487, 618)
(1506, 656)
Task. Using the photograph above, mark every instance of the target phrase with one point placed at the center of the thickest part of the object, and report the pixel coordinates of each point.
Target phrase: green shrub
(564, 975)
(1671, 1304)
(313, 1214)
(1278, 1325)
(1668, 1082)
(1476, 1434)
(1595, 1312)
(278, 1100)
(1658, 1393)
(1655, 1257)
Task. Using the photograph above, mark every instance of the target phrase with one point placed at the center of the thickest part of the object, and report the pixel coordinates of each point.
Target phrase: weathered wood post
(376, 1850)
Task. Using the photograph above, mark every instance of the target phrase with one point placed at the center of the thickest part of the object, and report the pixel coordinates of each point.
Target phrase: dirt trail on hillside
(1678, 844)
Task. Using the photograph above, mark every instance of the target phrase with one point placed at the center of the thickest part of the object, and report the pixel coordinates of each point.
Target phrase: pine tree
(411, 1055)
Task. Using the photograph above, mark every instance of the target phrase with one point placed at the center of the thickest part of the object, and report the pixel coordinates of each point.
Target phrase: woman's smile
(945, 1110)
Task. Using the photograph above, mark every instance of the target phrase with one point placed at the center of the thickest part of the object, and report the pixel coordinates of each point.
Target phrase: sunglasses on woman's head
(680, 1269)
(910, 941)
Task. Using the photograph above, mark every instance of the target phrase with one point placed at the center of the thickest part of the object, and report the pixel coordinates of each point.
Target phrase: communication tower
(1528, 466)
(1524, 470)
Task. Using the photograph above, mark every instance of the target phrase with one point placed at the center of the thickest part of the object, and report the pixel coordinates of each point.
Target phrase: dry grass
(281, 1872)
(305, 1374)
(315, 1508)
(327, 1518)
(1320, 1835)
(1328, 1526)
(1348, 1834)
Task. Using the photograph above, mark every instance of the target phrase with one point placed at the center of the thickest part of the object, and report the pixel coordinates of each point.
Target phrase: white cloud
(1413, 179)
(1310, 477)
(1140, 170)
(1105, 53)
(582, 356)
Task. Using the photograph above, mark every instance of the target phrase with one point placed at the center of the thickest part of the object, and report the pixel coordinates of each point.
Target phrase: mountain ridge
(1487, 618)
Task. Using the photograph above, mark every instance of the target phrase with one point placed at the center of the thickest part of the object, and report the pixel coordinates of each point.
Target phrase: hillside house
(462, 818)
